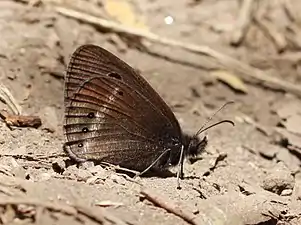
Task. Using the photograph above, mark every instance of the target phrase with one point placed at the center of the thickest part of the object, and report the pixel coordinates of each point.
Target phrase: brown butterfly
(113, 115)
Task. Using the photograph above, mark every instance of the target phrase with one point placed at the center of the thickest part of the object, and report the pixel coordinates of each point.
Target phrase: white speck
(86, 147)
(168, 20)
(111, 98)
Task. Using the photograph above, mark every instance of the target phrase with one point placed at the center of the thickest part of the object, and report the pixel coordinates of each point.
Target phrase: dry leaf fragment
(109, 203)
(123, 12)
(231, 79)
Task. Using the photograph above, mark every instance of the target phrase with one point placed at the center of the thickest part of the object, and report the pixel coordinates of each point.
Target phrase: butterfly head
(196, 146)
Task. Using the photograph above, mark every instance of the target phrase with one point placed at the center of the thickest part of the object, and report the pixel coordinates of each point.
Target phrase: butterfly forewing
(112, 114)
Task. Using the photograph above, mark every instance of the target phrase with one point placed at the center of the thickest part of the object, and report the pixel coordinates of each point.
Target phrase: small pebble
(287, 192)
(83, 175)
(97, 170)
(270, 151)
(43, 177)
(278, 179)
(59, 166)
(117, 179)
(86, 165)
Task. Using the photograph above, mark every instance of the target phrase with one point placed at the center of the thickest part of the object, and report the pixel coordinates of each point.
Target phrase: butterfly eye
(80, 145)
(175, 142)
(85, 129)
(91, 115)
(115, 76)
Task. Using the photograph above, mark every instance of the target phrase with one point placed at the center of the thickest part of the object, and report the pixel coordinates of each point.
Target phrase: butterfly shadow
(160, 173)
(163, 173)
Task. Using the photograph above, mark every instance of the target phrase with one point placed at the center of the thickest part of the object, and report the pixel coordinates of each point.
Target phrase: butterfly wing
(112, 114)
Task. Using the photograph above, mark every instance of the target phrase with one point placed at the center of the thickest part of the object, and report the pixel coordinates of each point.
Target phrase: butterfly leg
(152, 164)
(127, 170)
(180, 173)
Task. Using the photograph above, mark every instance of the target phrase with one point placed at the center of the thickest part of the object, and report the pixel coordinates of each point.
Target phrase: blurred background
(198, 55)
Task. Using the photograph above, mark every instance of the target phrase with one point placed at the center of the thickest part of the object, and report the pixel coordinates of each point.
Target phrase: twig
(31, 3)
(6, 191)
(99, 216)
(288, 9)
(293, 35)
(56, 74)
(270, 30)
(36, 165)
(243, 22)
(49, 205)
(170, 207)
(220, 157)
(5, 171)
(19, 187)
(246, 72)
(20, 120)
(8, 98)
(109, 204)
(35, 157)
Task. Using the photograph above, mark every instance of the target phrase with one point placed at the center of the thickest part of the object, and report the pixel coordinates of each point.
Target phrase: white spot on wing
(111, 98)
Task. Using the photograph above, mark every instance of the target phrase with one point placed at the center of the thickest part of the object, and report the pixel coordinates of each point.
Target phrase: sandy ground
(247, 175)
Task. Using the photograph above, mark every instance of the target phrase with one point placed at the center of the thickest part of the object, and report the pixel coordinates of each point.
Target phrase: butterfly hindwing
(112, 114)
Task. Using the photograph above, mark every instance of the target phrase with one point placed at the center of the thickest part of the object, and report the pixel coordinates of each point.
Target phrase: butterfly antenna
(202, 129)
(215, 124)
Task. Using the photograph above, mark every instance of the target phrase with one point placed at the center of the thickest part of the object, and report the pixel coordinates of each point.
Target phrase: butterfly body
(113, 115)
